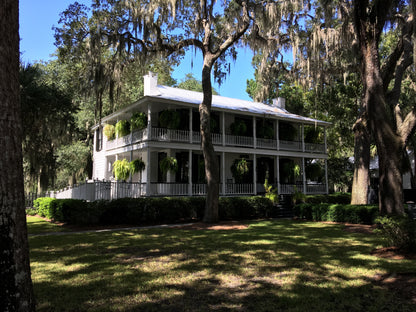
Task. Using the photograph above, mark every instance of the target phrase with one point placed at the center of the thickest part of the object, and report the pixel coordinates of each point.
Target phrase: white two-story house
(286, 149)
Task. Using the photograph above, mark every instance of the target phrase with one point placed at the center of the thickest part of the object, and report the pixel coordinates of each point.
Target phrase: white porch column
(190, 171)
(223, 127)
(303, 175)
(190, 125)
(278, 174)
(149, 121)
(148, 166)
(223, 173)
(303, 136)
(254, 132)
(325, 142)
(277, 135)
(326, 177)
(255, 174)
(131, 159)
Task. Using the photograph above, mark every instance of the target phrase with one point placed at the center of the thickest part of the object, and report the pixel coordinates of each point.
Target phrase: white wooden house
(274, 143)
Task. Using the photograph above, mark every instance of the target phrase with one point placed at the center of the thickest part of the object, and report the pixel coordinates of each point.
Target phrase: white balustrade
(290, 145)
(266, 143)
(236, 140)
(315, 148)
(238, 189)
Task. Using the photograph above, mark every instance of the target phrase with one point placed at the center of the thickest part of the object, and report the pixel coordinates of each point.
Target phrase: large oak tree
(16, 293)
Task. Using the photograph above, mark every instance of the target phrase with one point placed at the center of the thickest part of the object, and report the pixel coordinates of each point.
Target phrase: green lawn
(37, 225)
(270, 266)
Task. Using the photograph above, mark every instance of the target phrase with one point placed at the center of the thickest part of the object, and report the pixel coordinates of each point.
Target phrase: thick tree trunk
(210, 159)
(389, 148)
(16, 293)
(361, 179)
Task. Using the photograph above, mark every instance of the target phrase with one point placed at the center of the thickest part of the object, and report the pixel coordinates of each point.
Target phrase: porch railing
(107, 190)
(290, 145)
(266, 143)
(235, 140)
(169, 135)
(162, 134)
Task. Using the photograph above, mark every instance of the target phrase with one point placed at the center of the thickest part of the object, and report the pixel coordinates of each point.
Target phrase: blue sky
(37, 43)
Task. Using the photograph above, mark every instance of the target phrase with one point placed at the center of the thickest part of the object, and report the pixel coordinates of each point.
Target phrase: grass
(37, 225)
(270, 266)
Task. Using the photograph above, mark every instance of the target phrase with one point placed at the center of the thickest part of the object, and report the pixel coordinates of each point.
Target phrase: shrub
(43, 206)
(399, 231)
(336, 198)
(361, 214)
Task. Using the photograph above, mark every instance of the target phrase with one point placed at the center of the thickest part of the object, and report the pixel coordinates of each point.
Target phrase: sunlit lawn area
(38, 225)
(270, 266)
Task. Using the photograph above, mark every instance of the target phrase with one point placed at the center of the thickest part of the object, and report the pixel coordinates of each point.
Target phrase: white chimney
(279, 103)
(150, 84)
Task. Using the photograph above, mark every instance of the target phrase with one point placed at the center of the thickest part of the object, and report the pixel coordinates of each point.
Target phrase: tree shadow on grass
(271, 266)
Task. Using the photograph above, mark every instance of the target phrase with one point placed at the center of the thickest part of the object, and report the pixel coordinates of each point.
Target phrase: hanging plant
(238, 128)
(168, 164)
(138, 121)
(121, 169)
(240, 169)
(137, 166)
(265, 129)
(109, 132)
(287, 131)
(169, 119)
(122, 128)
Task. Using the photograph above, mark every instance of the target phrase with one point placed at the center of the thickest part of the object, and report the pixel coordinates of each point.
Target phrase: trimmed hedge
(335, 198)
(150, 210)
(361, 214)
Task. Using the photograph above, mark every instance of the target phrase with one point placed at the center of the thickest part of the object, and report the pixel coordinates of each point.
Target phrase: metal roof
(226, 103)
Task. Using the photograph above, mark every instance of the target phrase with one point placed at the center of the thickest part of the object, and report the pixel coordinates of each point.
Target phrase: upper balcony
(230, 140)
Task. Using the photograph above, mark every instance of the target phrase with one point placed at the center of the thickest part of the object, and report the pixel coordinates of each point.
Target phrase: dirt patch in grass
(403, 285)
(224, 225)
(393, 253)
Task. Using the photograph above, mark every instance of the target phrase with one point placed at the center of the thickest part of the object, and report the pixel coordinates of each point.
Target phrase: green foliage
(298, 197)
(398, 231)
(43, 206)
(121, 169)
(360, 214)
(238, 128)
(271, 193)
(150, 210)
(335, 198)
(47, 121)
(72, 160)
(138, 121)
(110, 132)
(168, 164)
(240, 169)
(313, 171)
(137, 165)
(192, 84)
(122, 128)
(169, 119)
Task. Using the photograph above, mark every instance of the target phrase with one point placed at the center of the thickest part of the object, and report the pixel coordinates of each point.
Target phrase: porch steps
(285, 207)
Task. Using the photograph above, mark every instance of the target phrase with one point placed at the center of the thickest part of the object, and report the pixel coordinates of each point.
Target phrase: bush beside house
(150, 210)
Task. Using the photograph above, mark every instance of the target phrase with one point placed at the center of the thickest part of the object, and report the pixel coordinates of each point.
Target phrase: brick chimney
(150, 84)
(279, 103)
